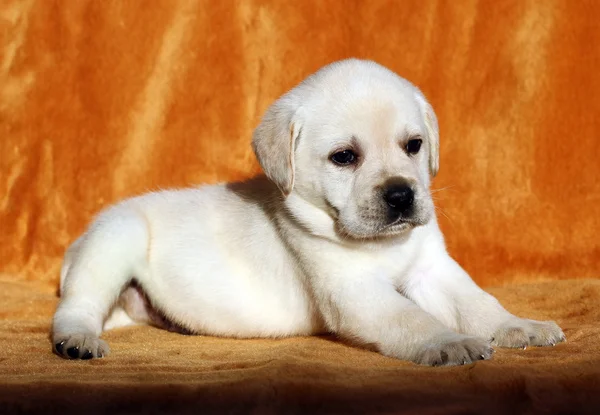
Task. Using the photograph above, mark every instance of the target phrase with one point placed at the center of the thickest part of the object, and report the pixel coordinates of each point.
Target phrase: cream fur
(306, 251)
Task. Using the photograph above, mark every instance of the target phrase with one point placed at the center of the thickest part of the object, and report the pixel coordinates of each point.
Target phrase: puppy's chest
(385, 264)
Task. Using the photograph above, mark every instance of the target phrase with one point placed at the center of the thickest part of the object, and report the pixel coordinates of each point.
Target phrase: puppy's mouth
(376, 225)
(396, 228)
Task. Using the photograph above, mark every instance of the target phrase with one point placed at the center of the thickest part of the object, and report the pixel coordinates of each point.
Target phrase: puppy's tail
(98, 266)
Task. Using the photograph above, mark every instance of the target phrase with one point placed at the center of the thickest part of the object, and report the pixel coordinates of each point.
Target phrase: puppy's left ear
(274, 142)
(433, 134)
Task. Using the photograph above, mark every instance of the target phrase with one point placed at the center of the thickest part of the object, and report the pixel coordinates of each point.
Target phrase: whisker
(440, 210)
(432, 191)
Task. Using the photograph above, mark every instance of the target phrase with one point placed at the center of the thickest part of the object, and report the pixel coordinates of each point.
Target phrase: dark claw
(59, 347)
(87, 355)
(481, 357)
(73, 352)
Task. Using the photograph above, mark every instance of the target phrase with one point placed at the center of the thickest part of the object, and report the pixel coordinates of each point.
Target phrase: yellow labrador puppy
(341, 238)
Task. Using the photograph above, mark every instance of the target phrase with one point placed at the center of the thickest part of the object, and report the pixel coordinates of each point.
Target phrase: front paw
(451, 349)
(520, 333)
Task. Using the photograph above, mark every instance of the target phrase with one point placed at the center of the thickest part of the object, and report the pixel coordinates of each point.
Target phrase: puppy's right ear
(274, 141)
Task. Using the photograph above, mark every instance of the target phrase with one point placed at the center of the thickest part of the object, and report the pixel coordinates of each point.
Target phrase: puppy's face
(363, 158)
(362, 144)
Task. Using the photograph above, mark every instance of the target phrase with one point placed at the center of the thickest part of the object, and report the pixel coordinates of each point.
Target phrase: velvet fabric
(152, 371)
(101, 100)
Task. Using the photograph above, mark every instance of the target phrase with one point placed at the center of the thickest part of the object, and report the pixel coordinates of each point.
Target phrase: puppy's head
(357, 142)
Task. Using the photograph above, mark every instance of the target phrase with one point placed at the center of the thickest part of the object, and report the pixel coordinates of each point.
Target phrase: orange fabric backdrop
(100, 100)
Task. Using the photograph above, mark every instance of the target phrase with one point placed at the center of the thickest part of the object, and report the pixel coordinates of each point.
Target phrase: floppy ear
(433, 134)
(274, 141)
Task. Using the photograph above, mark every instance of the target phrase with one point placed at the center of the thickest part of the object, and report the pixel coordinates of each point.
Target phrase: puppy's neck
(312, 219)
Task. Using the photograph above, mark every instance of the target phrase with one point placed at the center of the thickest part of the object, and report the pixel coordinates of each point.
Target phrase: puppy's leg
(371, 312)
(104, 261)
(446, 291)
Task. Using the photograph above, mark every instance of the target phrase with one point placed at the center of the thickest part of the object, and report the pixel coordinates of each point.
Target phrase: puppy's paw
(455, 349)
(520, 333)
(80, 346)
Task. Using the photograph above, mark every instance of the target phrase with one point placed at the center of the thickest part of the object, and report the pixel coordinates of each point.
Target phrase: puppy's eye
(344, 158)
(413, 146)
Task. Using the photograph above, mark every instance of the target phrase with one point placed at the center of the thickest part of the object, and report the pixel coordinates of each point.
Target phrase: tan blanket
(155, 371)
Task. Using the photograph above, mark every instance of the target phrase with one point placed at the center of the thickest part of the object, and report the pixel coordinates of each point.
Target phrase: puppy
(341, 238)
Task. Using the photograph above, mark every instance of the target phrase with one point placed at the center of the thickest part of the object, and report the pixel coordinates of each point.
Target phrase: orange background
(100, 100)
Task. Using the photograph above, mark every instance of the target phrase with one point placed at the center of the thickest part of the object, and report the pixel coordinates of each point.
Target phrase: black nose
(399, 198)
